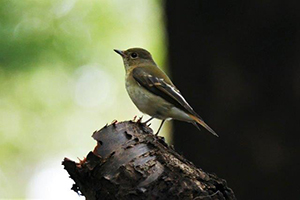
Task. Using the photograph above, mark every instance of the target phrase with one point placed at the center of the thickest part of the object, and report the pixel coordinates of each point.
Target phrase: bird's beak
(120, 52)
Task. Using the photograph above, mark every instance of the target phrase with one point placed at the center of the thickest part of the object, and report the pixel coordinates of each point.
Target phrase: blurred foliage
(60, 79)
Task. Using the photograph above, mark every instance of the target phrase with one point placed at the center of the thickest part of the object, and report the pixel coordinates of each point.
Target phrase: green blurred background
(60, 81)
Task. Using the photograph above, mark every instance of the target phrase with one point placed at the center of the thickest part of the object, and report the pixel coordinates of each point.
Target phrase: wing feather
(163, 88)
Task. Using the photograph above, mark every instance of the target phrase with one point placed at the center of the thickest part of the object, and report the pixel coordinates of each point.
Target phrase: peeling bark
(129, 162)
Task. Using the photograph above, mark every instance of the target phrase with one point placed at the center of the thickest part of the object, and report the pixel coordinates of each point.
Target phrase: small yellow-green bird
(153, 92)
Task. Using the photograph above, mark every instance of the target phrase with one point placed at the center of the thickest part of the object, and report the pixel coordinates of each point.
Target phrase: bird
(152, 91)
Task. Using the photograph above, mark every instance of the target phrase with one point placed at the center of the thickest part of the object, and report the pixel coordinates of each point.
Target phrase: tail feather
(202, 123)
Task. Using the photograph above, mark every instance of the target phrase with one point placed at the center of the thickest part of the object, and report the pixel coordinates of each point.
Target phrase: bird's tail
(202, 123)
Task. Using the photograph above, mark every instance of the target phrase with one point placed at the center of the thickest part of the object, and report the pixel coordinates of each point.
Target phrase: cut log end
(129, 162)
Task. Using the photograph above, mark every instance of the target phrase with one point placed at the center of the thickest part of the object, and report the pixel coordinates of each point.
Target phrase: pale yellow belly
(154, 105)
(148, 103)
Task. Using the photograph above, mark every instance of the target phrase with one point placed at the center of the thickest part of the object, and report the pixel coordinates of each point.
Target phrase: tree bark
(130, 162)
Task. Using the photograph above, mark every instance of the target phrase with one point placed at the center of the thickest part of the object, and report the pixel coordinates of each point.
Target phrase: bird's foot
(114, 122)
(134, 118)
(140, 120)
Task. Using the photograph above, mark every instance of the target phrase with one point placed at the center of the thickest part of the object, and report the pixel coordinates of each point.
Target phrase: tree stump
(130, 162)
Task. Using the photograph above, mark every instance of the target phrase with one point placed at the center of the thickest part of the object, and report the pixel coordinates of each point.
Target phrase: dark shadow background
(238, 64)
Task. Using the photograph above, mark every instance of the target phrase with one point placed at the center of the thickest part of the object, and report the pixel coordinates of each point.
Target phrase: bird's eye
(133, 55)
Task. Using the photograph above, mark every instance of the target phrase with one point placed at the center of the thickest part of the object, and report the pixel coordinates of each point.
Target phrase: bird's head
(135, 57)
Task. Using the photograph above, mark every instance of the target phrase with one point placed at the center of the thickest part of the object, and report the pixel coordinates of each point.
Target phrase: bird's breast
(147, 102)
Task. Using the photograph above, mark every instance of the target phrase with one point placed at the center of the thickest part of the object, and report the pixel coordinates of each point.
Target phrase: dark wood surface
(130, 162)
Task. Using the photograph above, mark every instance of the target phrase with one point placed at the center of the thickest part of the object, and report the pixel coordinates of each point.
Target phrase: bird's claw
(134, 118)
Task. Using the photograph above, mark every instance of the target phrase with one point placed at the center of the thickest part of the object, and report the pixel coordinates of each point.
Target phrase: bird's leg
(162, 122)
(148, 120)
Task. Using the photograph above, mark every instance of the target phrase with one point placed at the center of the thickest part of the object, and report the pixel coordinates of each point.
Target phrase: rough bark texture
(129, 162)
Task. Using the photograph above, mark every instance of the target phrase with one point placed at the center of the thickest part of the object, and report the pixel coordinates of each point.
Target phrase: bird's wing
(163, 87)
